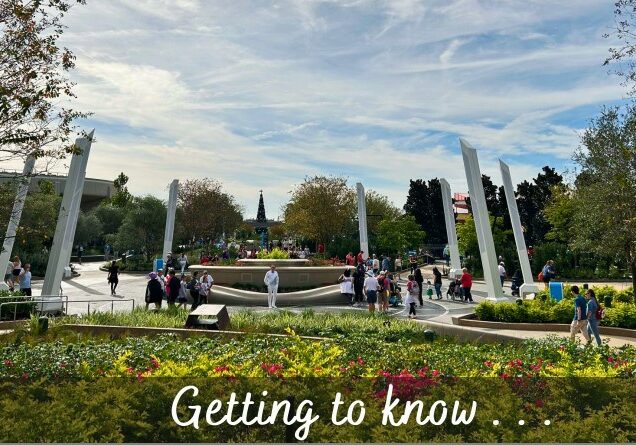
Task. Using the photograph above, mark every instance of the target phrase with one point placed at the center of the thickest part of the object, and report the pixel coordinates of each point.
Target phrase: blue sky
(261, 94)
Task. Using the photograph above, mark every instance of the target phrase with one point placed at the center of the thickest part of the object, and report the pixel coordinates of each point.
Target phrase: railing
(65, 304)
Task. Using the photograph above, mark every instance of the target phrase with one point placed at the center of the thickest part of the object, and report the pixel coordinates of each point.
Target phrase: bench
(197, 318)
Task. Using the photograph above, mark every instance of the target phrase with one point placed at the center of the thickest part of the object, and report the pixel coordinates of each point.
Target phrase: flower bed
(621, 313)
(88, 389)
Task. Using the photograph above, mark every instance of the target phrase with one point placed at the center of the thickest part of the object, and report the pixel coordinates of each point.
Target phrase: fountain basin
(295, 277)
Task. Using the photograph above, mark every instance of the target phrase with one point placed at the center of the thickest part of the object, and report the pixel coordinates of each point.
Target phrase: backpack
(600, 312)
(540, 276)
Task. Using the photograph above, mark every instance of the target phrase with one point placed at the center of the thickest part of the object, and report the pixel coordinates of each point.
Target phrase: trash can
(556, 290)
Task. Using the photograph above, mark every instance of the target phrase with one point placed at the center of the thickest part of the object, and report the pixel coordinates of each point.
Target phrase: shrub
(485, 311)
(625, 296)
(275, 254)
(621, 315)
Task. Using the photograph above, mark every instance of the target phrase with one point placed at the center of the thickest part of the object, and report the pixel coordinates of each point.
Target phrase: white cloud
(259, 96)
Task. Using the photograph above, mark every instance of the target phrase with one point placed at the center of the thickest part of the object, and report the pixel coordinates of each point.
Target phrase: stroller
(454, 290)
(395, 299)
(517, 281)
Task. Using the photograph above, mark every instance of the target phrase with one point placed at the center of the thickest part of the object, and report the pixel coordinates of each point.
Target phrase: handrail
(88, 306)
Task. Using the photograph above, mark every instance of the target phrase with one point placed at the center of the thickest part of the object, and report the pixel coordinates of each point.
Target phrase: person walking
(350, 259)
(15, 272)
(183, 262)
(360, 257)
(466, 284)
(346, 287)
(194, 286)
(371, 291)
(579, 323)
(502, 272)
(183, 293)
(25, 280)
(375, 265)
(398, 266)
(412, 292)
(113, 277)
(205, 288)
(548, 273)
(271, 281)
(594, 315)
(412, 264)
(154, 291)
(429, 289)
(419, 279)
(437, 282)
(174, 287)
(386, 263)
(358, 283)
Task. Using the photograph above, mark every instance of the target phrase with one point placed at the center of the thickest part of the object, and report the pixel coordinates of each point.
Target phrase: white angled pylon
(528, 282)
(451, 233)
(482, 222)
(172, 210)
(362, 220)
(16, 213)
(67, 220)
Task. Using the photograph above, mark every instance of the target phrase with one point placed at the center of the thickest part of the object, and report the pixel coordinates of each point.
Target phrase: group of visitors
(587, 314)
(176, 289)
(18, 275)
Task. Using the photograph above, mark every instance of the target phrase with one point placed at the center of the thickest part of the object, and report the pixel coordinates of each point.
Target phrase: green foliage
(110, 217)
(399, 234)
(320, 208)
(424, 203)
(36, 117)
(545, 310)
(275, 254)
(89, 229)
(18, 311)
(122, 197)
(143, 226)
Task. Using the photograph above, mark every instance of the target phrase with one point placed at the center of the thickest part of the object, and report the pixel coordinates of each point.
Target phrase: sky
(259, 95)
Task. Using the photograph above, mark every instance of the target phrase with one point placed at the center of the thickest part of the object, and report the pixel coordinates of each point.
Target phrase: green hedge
(622, 313)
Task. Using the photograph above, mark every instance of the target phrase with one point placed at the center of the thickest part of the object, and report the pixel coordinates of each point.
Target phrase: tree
(379, 207)
(607, 159)
(277, 232)
(424, 202)
(142, 229)
(39, 217)
(623, 56)
(33, 83)
(532, 198)
(469, 244)
(205, 210)
(110, 217)
(561, 213)
(399, 234)
(89, 229)
(320, 208)
(121, 197)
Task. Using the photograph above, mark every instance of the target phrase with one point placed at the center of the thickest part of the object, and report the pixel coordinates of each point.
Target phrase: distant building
(95, 190)
(460, 206)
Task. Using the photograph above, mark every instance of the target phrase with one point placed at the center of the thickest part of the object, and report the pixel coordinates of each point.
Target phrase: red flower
(360, 361)
(130, 370)
(8, 363)
(435, 373)
(25, 376)
(272, 369)
(488, 363)
(154, 363)
(140, 375)
(539, 403)
(610, 359)
(220, 369)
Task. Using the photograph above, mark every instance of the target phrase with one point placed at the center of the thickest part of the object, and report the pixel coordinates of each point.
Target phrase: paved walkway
(88, 291)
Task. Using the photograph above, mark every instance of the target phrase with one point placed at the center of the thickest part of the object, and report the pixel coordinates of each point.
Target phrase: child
(429, 290)
(412, 295)
(183, 293)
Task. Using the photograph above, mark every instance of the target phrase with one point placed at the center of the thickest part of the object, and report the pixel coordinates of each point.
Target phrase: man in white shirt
(204, 292)
(371, 291)
(502, 273)
(271, 281)
(375, 265)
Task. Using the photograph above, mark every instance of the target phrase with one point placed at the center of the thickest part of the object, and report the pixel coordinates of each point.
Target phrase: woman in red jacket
(467, 283)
